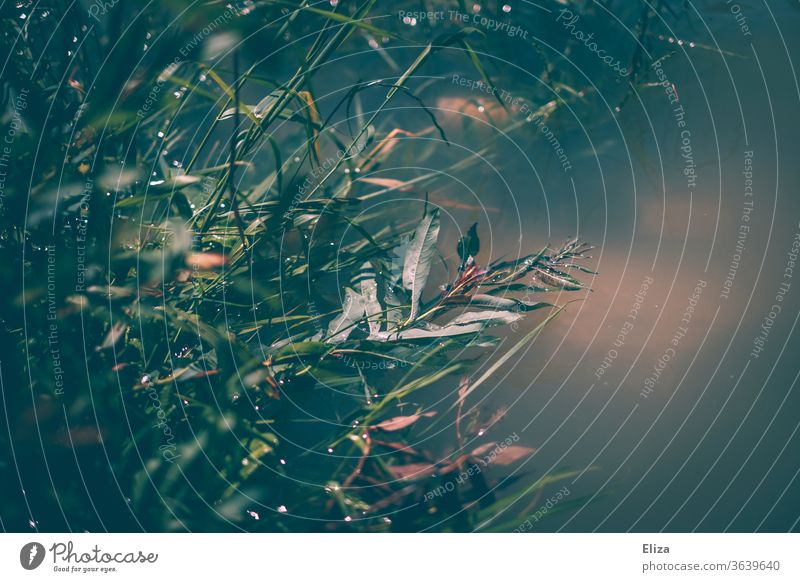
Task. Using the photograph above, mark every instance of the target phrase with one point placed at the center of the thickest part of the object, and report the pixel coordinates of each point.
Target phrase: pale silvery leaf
(231, 111)
(486, 318)
(201, 367)
(419, 333)
(398, 260)
(352, 310)
(263, 106)
(418, 259)
(394, 312)
(114, 334)
(369, 296)
(446, 331)
(362, 142)
(504, 303)
(466, 323)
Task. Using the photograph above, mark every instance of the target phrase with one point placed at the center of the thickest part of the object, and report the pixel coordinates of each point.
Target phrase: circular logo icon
(31, 555)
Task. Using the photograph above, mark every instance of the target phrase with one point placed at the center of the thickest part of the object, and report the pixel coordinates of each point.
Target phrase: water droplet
(506, 8)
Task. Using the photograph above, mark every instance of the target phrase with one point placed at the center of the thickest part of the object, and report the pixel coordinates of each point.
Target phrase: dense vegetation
(212, 320)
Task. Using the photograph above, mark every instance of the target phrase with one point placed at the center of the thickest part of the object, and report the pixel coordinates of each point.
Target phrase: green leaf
(357, 22)
(176, 183)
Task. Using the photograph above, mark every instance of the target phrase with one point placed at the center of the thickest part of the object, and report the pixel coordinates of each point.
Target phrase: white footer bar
(401, 557)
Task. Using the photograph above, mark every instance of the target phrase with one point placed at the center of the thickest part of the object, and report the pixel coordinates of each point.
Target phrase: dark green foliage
(231, 342)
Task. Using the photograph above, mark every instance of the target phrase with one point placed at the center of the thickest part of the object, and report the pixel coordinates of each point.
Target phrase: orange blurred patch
(205, 261)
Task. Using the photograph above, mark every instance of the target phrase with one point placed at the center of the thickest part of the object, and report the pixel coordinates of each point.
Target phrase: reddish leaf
(205, 261)
(387, 183)
(401, 422)
(483, 449)
(499, 455)
(412, 471)
(114, 334)
(511, 454)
